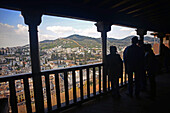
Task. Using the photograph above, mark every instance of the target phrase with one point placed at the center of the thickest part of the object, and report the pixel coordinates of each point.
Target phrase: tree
(16, 64)
(85, 56)
(68, 57)
(74, 57)
(56, 56)
(46, 60)
(52, 56)
(23, 64)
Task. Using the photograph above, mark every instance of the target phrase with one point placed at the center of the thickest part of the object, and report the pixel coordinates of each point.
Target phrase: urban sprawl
(16, 60)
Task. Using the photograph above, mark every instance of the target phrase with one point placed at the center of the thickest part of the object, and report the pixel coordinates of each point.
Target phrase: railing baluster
(81, 84)
(99, 79)
(13, 98)
(88, 83)
(94, 81)
(104, 79)
(74, 86)
(66, 87)
(122, 80)
(27, 95)
(57, 90)
(48, 92)
(125, 78)
(108, 82)
(122, 74)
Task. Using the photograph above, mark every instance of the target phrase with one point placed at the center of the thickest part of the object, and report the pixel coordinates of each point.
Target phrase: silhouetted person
(133, 57)
(151, 68)
(165, 53)
(142, 69)
(114, 66)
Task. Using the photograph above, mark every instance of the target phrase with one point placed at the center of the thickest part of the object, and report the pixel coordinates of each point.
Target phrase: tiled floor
(125, 104)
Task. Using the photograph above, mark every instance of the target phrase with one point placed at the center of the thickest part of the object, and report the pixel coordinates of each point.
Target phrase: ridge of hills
(90, 42)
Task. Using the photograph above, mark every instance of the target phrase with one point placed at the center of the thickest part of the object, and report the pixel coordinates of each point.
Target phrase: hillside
(85, 41)
(71, 42)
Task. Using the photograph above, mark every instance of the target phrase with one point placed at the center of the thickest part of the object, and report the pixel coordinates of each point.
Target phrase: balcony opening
(66, 42)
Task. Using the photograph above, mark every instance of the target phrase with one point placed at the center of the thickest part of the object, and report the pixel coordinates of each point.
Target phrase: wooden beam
(103, 3)
(153, 8)
(142, 8)
(132, 6)
(119, 4)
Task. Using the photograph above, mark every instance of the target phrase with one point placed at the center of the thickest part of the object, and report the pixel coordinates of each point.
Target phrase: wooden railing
(13, 99)
(89, 83)
(81, 71)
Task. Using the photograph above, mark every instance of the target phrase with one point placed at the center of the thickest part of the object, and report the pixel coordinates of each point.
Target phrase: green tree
(68, 57)
(16, 64)
(85, 56)
(23, 64)
(53, 57)
(56, 56)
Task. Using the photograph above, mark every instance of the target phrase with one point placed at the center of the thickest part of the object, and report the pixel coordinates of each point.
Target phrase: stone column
(104, 27)
(32, 18)
(141, 33)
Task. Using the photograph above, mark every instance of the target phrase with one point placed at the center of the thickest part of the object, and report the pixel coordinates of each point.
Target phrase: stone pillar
(141, 33)
(32, 18)
(104, 27)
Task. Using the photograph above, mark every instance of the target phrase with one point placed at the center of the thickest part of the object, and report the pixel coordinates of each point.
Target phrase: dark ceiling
(153, 15)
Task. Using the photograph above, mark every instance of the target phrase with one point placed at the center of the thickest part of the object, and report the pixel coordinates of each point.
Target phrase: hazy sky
(13, 31)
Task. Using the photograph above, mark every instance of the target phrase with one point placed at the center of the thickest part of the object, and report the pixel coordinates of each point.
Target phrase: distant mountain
(46, 41)
(71, 42)
(85, 41)
(151, 40)
(120, 42)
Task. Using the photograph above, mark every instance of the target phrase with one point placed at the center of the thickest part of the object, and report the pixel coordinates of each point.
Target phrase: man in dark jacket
(151, 68)
(133, 57)
(114, 68)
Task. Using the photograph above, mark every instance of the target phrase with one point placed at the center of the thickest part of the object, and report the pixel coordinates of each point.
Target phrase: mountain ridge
(86, 41)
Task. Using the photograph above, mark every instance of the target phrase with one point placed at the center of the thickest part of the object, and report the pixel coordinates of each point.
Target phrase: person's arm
(125, 60)
(125, 55)
(121, 69)
(121, 66)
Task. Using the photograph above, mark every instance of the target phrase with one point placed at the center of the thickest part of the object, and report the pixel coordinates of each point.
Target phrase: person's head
(113, 49)
(135, 40)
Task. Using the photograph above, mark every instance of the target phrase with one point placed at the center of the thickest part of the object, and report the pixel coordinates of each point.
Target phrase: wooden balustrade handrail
(11, 79)
(15, 77)
(29, 75)
(71, 68)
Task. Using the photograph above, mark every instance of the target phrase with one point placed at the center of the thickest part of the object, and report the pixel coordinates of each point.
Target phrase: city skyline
(15, 33)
